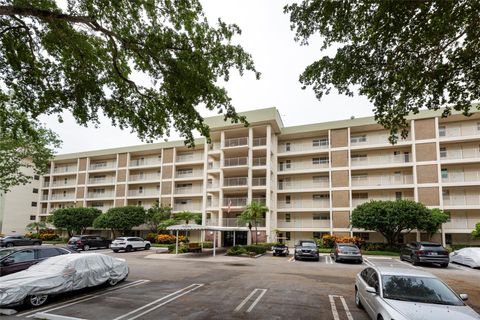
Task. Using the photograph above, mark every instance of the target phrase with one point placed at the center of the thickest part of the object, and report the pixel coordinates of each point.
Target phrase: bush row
(238, 250)
(164, 238)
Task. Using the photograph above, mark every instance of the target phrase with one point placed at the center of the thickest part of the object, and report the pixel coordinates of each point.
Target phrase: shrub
(170, 239)
(48, 236)
(152, 237)
(329, 240)
(181, 249)
(267, 245)
(255, 248)
(236, 251)
(208, 244)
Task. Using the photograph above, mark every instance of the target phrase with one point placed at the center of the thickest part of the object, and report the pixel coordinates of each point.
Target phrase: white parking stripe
(49, 316)
(292, 259)
(175, 295)
(256, 300)
(408, 264)
(240, 306)
(328, 260)
(368, 262)
(84, 298)
(335, 313)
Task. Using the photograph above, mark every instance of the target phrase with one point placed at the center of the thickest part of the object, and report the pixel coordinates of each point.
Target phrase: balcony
(459, 153)
(233, 162)
(65, 169)
(261, 201)
(212, 203)
(144, 177)
(45, 197)
(464, 200)
(43, 211)
(373, 138)
(380, 160)
(359, 201)
(236, 142)
(303, 204)
(189, 157)
(303, 184)
(235, 202)
(214, 147)
(150, 161)
(462, 176)
(301, 166)
(461, 223)
(259, 182)
(193, 174)
(458, 130)
(233, 222)
(62, 196)
(212, 185)
(189, 190)
(96, 195)
(235, 182)
(104, 180)
(63, 183)
(194, 206)
(213, 166)
(102, 165)
(303, 223)
(381, 180)
(144, 193)
(102, 208)
(312, 146)
(257, 162)
(257, 142)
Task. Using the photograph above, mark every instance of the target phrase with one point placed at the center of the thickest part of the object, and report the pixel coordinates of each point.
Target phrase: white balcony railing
(259, 142)
(466, 176)
(356, 202)
(102, 165)
(303, 223)
(143, 192)
(471, 199)
(304, 203)
(380, 159)
(62, 196)
(303, 184)
(213, 165)
(461, 223)
(259, 161)
(188, 190)
(373, 138)
(232, 162)
(257, 182)
(44, 196)
(301, 165)
(101, 180)
(381, 180)
(462, 153)
(235, 182)
(43, 211)
(214, 146)
(236, 142)
(234, 202)
(213, 203)
(233, 222)
(212, 185)
(144, 177)
(65, 169)
(262, 201)
(189, 157)
(194, 207)
(150, 161)
(194, 174)
(94, 195)
(447, 131)
(303, 146)
(63, 183)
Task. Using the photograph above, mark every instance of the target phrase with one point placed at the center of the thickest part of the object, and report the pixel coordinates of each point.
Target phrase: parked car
(86, 243)
(280, 249)
(346, 252)
(425, 252)
(467, 256)
(129, 244)
(18, 259)
(306, 249)
(408, 294)
(58, 275)
(14, 241)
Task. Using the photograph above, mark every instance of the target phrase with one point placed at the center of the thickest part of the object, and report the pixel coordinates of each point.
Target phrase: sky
(266, 35)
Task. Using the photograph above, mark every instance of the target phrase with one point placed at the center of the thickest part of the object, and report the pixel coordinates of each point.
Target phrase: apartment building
(311, 176)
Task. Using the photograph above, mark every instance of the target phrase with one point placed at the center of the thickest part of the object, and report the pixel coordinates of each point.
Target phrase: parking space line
(82, 299)
(460, 267)
(328, 260)
(240, 306)
(368, 262)
(175, 295)
(49, 316)
(407, 264)
(335, 313)
(292, 259)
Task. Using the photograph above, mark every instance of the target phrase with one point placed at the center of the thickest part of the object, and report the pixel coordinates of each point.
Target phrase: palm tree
(187, 216)
(252, 213)
(36, 226)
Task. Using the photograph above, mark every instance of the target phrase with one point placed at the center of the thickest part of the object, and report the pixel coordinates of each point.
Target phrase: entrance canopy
(193, 227)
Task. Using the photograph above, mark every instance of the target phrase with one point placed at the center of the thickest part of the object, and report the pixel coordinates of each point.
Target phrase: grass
(325, 250)
(54, 242)
(160, 245)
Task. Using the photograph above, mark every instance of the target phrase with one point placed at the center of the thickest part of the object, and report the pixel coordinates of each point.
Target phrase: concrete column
(268, 215)
(250, 164)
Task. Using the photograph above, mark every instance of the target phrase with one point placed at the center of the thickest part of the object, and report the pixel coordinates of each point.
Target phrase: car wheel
(402, 258)
(147, 247)
(358, 303)
(9, 245)
(86, 247)
(36, 243)
(317, 259)
(36, 300)
(274, 254)
(379, 317)
(112, 282)
(115, 250)
(128, 248)
(415, 263)
(295, 257)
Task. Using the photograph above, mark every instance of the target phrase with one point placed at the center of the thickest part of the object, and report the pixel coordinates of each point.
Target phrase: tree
(157, 215)
(390, 218)
(252, 213)
(37, 225)
(74, 219)
(431, 225)
(121, 219)
(476, 231)
(144, 64)
(402, 55)
(187, 216)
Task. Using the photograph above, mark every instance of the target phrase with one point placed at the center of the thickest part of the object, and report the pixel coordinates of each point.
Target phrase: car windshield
(6, 252)
(307, 244)
(418, 289)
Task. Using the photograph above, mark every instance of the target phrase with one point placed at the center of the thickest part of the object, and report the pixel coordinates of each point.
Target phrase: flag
(229, 205)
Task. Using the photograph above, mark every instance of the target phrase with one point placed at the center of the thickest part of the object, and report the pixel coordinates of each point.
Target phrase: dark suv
(88, 242)
(425, 252)
(306, 249)
(18, 259)
(14, 241)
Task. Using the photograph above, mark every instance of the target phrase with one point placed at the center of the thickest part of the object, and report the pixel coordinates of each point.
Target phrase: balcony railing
(145, 161)
(458, 131)
(44, 196)
(187, 190)
(305, 203)
(464, 153)
(102, 208)
(102, 165)
(106, 194)
(236, 142)
(467, 176)
(302, 146)
(214, 146)
(212, 185)
(213, 203)
(62, 196)
(194, 207)
(262, 201)
(63, 183)
(379, 138)
(43, 211)
(259, 142)
(301, 165)
(259, 161)
(461, 223)
(189, 157)
(380, 159)
(234, 202)
(356, 202)
(64, 169)
(144, 193)
(462, 200)
(101, 180)
(303, 223)
(194, 174)
(303, 184)
(233, 222)
(232, 162)
(256, 182)
(381, 180)
(213, 165)
(144, 177)
(235, 182)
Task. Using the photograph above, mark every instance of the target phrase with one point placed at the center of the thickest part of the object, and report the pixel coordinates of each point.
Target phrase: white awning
(190, 227)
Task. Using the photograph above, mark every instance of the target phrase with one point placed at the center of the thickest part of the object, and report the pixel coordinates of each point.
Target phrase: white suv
(129, 244)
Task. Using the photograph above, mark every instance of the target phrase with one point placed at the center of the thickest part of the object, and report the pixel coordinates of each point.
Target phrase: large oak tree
(401, 55)
(145, 64)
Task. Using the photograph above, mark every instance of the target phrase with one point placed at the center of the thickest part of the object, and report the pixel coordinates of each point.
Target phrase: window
(287, 146)
(99, 191)
(140, 189)
(358, 138)
(288, 217)
(360, 195)
(446, 194)
(449, 219)
(318, 216)
(22, 256)
(287, 199)
(320, 179)
(321, 160)
(372, 281)
(287, 236)
(35, 190)
(139, 203)
(359, 157)
(102, 164)
(443, 152)
(184, 171)
(323, 142)
(32, 218)
(34, 204)
(398, 195)
(448, 238)
(442, 131)
(320, 197)
(444, 173)
(47, 253)
(365, 274)
(184, 185)
(288, 164)
(363, 235)
(36, 177)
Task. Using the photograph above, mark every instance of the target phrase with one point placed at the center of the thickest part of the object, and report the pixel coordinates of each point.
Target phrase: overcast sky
(267, 36)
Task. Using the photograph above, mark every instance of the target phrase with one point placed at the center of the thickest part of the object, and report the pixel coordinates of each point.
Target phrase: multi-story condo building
(310, 177)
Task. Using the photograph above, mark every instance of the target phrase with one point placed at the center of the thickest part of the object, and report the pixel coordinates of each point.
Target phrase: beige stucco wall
(340, 199)
(122, 160)
(339, 138)
(427, 173)
(339, 158)
(425, 129)
(426, 152)
(341, 219)
(81, 178)
(429, 196)
(122, 175)
(340, 178)
(82, 165)
(120, 190)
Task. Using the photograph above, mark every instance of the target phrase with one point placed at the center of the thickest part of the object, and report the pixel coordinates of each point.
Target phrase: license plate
(433, 254)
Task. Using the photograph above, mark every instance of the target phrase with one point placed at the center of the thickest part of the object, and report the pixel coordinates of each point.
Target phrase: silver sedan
(408, 294)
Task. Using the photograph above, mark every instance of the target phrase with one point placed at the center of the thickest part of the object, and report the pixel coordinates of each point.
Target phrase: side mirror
(371, 290)
(464, 296)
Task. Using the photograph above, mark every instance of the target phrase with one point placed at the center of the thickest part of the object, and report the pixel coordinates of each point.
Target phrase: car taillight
(419, 252)
(79, 242)
(339, 251)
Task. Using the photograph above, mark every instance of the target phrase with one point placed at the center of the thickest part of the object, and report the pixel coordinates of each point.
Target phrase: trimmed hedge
(238, 250)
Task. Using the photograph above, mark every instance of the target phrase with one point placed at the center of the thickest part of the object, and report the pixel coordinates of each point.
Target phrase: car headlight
(298, 250)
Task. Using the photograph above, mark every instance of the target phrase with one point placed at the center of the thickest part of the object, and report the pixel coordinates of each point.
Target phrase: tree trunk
(256, 231)
(251, 234)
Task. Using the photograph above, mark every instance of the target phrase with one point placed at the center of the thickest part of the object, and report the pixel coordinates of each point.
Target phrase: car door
(375, 299)
(139, 243)
(362, 286)
(18, 261)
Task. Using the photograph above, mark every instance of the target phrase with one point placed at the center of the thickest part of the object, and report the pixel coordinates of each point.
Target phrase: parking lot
(234, 288)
